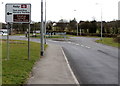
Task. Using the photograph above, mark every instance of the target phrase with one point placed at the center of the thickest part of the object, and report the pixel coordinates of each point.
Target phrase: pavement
(52, 68)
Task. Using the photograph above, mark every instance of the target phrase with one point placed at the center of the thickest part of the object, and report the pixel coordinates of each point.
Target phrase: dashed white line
(54, 41)
(74, 43)
(78, 44)
(69, 42)
(87, 47)
(82, 45)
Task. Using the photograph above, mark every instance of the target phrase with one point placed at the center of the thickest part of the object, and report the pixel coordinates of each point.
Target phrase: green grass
(71, 35)
(53, 36)
(18, 34)
(83, 36)
(17, 69)
(109, 42)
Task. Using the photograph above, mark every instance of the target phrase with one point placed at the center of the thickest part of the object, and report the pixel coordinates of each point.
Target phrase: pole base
(42, 53)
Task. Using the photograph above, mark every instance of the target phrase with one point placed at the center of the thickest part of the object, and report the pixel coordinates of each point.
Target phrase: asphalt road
(92, 63)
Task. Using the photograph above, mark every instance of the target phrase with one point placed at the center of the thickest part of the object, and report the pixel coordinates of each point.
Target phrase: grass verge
(17, 69)
(53, 36)
(109, 41)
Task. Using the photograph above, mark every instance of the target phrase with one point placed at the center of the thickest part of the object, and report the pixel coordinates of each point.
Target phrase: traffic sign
(18, 13)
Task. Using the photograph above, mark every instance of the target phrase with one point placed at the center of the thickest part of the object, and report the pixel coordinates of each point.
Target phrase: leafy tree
(73, 25)
(84, 25)
(49, 26)
(92, 27)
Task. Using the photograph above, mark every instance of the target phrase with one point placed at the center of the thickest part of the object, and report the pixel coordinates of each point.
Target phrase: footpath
(52, 68)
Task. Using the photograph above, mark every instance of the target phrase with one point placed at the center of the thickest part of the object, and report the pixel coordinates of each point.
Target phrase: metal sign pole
(29, 42)
(42, 37)
(8, 26)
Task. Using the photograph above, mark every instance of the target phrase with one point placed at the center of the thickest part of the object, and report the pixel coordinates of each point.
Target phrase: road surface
(92, 63)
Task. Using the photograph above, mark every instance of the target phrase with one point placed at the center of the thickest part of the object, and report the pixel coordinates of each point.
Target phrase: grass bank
(17, 69)
(52, 36)
(109, 41)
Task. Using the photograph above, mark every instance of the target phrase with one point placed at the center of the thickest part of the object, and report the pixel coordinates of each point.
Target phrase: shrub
(117, 39)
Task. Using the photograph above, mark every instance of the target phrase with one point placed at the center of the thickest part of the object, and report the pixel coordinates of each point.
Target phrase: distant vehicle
(37, 31)
(3, 32)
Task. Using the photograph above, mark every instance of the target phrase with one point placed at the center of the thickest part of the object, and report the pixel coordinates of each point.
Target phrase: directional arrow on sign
(8, 13)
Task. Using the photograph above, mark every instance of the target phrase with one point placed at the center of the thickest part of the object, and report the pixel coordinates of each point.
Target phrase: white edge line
(74, 77)
(87, 47)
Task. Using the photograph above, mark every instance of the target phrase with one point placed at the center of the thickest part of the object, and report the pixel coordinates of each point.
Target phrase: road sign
(18, 13)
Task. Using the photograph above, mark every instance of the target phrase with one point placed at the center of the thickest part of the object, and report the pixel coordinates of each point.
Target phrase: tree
(49, 26)
(61, 25)
(84, 25)
(92, 27)
(73, 25)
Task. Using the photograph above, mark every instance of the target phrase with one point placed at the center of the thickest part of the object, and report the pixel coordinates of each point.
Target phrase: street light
(45, 23)
(101, 24)
(42, 36)
(77, 26)
(101, 20)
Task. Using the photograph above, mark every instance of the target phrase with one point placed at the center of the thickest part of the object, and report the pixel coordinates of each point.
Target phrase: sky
(69, 9)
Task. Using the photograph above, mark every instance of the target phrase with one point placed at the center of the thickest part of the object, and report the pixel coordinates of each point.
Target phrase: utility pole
(42, 36)
(45, 23)
(101, 19)
(80, 32)
(77, 26)
(101, 24)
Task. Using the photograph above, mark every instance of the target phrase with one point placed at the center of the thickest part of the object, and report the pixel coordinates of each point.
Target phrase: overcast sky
(65, 9)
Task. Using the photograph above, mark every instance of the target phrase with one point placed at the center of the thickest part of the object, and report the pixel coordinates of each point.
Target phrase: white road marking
(78, 44)
(75, 79)
(69, 42)
(73, 43)
(82, 45)
(87, 47)
(49, 40)
(54, 41)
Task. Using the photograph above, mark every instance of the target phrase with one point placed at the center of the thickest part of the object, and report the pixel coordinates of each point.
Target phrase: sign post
(29, 42)
(18, 13)
(8, 27)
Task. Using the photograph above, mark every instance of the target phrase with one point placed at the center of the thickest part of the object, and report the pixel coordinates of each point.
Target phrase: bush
(117, 39)
(94, 34)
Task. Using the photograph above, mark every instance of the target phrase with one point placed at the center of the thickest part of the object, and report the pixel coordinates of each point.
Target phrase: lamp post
(41, 30)
(77, 26)
(101, 21)
(101, 24)
(45, 23)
